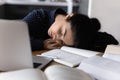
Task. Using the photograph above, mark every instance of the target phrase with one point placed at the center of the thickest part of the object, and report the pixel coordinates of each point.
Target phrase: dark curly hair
(84, 30)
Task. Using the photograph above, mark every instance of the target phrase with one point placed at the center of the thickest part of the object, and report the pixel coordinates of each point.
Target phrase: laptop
(15, 51)
(15, 48)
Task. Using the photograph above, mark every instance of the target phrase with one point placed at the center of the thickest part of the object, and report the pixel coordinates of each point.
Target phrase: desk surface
(38, 52)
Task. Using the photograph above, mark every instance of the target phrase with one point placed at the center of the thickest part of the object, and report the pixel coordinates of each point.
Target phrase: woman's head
(77, 30)
(60, 30)
(84, 30)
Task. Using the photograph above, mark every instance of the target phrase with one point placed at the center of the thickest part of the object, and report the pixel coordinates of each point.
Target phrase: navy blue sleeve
(36, 21)
(36, 44)
(33, 16)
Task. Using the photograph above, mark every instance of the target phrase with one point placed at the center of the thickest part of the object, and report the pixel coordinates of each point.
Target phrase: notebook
(15, 51)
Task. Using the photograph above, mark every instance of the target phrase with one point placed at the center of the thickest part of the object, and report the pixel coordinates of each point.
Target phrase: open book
(106, 67)
(69, 56)
(56, 72)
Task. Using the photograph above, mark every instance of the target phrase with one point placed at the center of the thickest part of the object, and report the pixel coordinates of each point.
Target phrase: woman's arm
(36, 27)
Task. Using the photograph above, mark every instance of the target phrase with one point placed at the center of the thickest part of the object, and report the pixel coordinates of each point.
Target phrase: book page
(101, 68)
(59, 72)
(112, 52)
(113, 49)
(24, 74)
(82, 52)
(64, 57)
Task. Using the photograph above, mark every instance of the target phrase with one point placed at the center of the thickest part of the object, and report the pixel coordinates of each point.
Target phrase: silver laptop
(15, 51)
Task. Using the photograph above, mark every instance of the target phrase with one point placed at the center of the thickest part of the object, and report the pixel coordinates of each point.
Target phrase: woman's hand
(52, 44)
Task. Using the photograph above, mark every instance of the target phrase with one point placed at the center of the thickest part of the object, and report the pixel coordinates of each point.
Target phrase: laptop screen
(15, 50)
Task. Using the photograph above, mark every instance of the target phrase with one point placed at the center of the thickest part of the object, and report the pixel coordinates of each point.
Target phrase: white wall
(108, 12)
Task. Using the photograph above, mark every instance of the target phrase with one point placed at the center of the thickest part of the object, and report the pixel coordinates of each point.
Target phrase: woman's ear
(69, 16)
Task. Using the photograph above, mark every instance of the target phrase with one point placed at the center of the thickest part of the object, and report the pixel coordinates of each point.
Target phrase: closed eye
(64, 33)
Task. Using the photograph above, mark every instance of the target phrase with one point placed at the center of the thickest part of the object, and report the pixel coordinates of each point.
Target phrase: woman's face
(61, 30)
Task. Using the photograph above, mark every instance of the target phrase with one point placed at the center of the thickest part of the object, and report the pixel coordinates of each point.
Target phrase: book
(106, 67)
(101, 68)
(112, 52)
(68, 55)
(56, 72)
